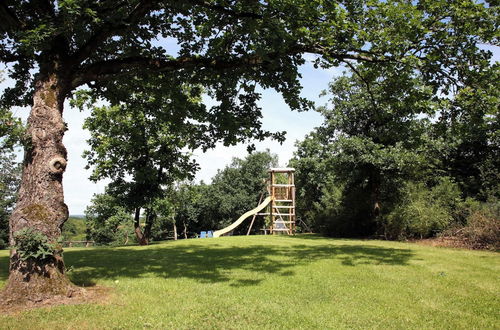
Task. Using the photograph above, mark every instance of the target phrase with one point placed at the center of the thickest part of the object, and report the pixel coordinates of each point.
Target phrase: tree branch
(223, 10)
(109, 28)
(356, 55)
(108, 69)
(367, 84)
(8, 18)
(111, 68)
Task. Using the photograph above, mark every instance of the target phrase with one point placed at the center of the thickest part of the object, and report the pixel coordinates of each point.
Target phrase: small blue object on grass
(203, 234)
(210, 234)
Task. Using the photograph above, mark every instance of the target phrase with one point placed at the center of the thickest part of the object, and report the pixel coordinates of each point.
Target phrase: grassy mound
(277, 282)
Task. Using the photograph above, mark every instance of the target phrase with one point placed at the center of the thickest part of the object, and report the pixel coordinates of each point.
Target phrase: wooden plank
(267, 213)
(273, 195)
(281, 169)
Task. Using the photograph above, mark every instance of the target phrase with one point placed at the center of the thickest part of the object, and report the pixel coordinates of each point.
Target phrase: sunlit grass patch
(277, 282)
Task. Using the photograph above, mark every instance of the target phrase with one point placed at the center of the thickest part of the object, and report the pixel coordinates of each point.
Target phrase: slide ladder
(238, 222)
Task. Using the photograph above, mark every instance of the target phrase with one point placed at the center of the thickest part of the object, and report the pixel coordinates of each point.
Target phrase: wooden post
(292, 210)
(273, 189)
(255, 215)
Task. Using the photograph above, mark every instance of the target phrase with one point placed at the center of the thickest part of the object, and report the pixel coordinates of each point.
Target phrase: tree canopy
(395, 156)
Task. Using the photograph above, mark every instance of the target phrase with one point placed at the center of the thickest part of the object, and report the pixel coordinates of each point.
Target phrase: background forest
(395, 158)
(409, 146)
(391, 160)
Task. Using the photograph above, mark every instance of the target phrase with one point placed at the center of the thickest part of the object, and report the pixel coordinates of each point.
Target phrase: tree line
(187, 208)
(393, 159)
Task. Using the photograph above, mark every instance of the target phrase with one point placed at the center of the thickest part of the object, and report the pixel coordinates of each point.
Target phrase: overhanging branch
(111, 68)
(110, 28)
(108, 69)
(8, 19)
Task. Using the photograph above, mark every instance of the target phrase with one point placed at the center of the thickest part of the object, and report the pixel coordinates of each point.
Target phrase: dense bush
(482, 227)
(421, 211)
(342, 212)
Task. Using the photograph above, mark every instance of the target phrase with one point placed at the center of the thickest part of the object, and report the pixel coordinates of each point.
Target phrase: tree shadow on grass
(216, 263)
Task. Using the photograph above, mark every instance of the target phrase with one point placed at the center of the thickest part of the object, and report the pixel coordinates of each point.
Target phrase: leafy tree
(10, 178)
(11, 128)
(144, 138)
(192, 208)
(11, 133)
(382, 130)
(165, 223)
(470, 126)
(371, 141)
(54, 47)
(236, 189)
(107, 221)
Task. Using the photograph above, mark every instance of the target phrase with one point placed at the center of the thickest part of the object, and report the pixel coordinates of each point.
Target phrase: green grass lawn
(277, 282)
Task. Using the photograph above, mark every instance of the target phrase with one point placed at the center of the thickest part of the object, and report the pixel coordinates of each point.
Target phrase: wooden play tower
(281, 209)
(278, 206)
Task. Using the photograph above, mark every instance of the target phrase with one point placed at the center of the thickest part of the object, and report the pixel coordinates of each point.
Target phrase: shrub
(482, 229)
(421, 211)
(30, 243)
(343, 212)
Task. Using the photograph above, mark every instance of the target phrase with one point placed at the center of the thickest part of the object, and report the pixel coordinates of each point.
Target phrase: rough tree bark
(185, 230)
(40, 203)
(150, 218)
(141, 238)
(175, 232)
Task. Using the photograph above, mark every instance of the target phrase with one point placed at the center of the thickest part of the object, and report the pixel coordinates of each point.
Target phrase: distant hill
(78, 216)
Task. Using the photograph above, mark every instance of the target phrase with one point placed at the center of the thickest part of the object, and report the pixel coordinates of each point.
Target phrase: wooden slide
(238, 222)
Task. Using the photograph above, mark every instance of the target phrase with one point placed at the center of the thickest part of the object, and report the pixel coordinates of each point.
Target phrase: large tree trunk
(40, 204)
(185, 230)
(141, 238)
(175, 231)
(148, 226)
